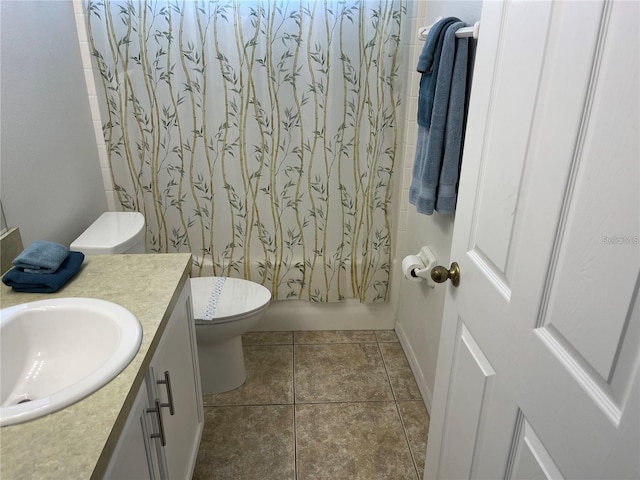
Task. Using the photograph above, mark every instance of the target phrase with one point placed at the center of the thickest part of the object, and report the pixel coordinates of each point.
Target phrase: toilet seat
(237, 299)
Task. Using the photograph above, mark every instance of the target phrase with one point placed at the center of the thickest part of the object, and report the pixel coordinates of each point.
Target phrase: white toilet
(240, 304)
(231, 306)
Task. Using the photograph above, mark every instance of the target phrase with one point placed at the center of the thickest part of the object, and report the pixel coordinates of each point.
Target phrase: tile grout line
(386, 371)
(406, 436)
(338, 402)
(319, 402)
(337, 343)
(395, 402)
(293, 399)
(295, 413)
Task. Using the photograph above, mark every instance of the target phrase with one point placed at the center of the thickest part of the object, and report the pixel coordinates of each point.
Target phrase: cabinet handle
(167, 382)
(160, 435)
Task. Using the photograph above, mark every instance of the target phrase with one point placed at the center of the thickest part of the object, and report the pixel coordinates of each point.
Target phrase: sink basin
(56, 352)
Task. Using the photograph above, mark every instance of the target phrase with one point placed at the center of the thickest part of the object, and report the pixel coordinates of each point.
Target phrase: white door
(537, 371)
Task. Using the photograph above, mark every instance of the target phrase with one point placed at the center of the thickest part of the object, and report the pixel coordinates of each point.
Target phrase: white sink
(56, 352)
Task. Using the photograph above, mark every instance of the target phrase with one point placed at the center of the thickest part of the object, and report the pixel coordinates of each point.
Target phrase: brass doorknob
(441, 274)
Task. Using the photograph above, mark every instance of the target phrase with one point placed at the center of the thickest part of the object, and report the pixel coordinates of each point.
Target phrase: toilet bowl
(239, 305)
(223, 308)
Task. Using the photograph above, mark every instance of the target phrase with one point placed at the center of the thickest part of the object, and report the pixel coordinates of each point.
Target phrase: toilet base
(221, 366)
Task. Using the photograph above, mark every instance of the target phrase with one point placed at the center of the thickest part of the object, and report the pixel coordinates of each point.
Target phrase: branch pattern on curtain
(259, 136)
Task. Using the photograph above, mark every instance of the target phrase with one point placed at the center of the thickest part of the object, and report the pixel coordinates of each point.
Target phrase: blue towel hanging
(428, 65)
(441, 111)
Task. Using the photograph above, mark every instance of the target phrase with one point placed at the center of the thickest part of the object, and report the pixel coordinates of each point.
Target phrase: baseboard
(426, 393)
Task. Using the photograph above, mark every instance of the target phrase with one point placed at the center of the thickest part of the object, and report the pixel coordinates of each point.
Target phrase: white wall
(51, 184)
(420, 307)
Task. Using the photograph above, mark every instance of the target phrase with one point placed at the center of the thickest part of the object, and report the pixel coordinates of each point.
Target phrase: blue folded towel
(41, 257)
(44, 282)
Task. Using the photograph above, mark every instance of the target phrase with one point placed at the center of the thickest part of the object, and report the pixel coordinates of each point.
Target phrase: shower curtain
(258, 135)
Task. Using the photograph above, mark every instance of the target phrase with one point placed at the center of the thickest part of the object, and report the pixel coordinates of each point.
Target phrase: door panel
(530, 460)
(472, 381)
(596, 220)
(503, 155)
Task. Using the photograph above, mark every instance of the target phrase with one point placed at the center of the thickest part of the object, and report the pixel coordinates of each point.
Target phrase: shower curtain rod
(460, 33)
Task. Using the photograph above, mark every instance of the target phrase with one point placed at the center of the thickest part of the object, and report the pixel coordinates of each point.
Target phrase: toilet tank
(112, 233)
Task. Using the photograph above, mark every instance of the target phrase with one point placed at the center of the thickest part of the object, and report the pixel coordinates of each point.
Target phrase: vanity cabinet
(134, 456)
(162, 433)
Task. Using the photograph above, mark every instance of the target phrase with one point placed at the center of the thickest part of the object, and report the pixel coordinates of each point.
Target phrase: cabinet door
(175, 380)
(134, 456)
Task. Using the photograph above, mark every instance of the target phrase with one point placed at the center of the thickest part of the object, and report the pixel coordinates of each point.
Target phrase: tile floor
(338, 405)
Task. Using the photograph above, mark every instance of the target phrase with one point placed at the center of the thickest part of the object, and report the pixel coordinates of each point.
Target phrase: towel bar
(460, 33)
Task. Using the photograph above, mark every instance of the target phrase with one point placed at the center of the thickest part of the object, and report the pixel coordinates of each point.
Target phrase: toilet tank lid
(238, 298)
(113, 232)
